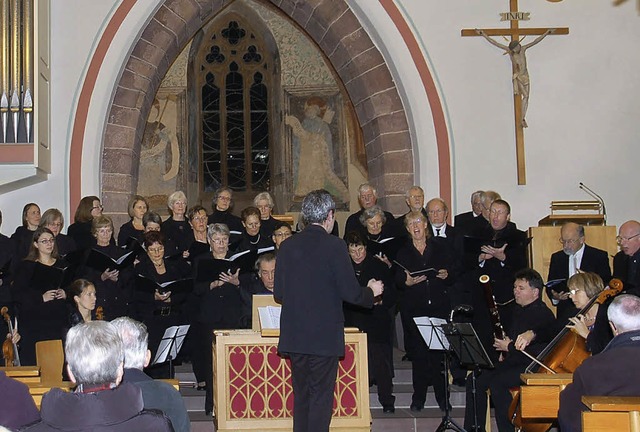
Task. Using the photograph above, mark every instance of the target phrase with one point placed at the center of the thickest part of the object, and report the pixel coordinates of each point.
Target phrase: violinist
(531, 327)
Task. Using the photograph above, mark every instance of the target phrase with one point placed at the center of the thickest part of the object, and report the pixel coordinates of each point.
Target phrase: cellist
(532, 327)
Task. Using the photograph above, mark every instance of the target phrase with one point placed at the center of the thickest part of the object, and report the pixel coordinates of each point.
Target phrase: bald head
(629, 237)
(572, 237)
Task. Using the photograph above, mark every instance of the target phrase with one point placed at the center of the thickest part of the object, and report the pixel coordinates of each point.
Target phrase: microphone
(463, 308)
(596, 196)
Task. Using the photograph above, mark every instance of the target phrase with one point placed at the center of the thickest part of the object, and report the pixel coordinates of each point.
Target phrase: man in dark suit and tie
(626, 262)
(463, 220)
(574, 256)
(314, 277)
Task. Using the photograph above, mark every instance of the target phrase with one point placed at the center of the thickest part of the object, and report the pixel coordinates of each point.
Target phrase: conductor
(314, 277)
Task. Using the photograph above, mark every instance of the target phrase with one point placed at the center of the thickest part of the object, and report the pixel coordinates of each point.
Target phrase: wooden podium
(252, 384)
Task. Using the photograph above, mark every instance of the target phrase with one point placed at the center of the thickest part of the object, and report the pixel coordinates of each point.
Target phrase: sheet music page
(269, 317)
(432, 333)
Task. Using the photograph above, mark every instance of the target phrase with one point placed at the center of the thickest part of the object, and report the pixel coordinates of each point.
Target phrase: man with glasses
(463, 220)
(625, 263)
(575, 256)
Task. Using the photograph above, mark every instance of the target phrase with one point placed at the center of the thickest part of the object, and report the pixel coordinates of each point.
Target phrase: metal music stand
(170, 345)
(432, 331)
(465, 343)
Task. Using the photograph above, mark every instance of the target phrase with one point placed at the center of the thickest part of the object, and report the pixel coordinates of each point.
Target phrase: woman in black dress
(176, 228)
(23, 235)
(252, 239)
(89, 207)
(83, 302)
(112, 290)
(221, 305)
(264, 202)
(137, 207)
(39, 298)
(53, 219)
(424, 294)
(159, 310)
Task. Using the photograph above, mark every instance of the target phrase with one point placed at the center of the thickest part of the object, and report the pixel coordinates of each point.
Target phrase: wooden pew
(37, 390)
(611, 413)
(540, 394)
(25, 374)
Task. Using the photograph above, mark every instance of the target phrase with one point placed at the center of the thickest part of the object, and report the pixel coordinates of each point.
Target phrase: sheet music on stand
(430, 329)
(171, 343)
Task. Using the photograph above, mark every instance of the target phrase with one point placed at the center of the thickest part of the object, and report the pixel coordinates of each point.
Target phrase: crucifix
(520, 74)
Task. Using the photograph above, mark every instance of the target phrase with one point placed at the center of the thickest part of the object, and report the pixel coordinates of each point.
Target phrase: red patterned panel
(260, 383)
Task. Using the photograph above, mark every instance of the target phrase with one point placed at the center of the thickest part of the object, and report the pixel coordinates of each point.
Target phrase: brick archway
(338, 33)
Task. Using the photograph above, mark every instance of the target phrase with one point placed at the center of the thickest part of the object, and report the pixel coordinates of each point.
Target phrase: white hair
(135, 341)
(624, 313)
(94, 353)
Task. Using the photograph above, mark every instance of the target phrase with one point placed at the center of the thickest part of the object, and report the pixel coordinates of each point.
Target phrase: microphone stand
(588, 190)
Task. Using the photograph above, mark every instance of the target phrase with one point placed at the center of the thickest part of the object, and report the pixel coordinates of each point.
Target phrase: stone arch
(330, 23)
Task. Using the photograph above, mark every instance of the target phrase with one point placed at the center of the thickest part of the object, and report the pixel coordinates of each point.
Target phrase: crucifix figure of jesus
(517, 53)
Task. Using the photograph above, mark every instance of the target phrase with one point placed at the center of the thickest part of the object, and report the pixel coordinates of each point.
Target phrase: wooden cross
(514, 16)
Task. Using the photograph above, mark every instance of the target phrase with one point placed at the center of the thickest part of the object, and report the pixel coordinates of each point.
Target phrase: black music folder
(178, 286)
(430, 272)
(100, 261)
(47, 278)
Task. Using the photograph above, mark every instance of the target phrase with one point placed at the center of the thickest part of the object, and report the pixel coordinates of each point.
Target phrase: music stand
(170, 345)
(432, 331)
(465, 343)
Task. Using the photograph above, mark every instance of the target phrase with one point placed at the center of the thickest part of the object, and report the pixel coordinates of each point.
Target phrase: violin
(100, 313)
(563, 354)
(9, 347)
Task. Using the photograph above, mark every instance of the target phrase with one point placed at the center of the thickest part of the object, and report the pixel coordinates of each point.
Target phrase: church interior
(148, 97)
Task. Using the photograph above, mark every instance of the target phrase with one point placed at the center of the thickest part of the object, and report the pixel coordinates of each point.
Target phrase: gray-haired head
(317, 206)
(372, 212)
(624, 313)
(217, 228)
(135, 341)
(94, 353)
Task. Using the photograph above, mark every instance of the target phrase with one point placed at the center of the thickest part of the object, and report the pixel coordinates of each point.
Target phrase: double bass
(563, 354)
(9, 347)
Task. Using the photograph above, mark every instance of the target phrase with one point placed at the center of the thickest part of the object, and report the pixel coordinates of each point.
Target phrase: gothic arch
(338, 33)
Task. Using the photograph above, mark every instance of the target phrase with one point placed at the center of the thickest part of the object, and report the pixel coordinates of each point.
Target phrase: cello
(9, 347)
(563, 354)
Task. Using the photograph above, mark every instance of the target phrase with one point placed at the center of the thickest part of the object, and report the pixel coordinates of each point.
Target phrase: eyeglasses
(574, 291)
(55, 224)
(47, 241)
(219, 241)
(199, 219)
(620, 239)
(224, 198)
(156, 249)
(568, 241)
(105, 231)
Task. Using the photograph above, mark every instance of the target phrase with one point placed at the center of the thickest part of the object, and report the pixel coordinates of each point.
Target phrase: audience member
(610, 373)
(155, 394)
(17, 408)
(95, 357)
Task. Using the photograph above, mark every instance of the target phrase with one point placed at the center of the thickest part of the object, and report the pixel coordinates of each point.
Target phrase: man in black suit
(314, 277)
(462, 220)
(367, 197)
(575, 255)
(611, 372)
(625, 263)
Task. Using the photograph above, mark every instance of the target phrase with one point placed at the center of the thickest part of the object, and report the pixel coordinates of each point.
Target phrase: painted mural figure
(160, 153)
(313, 151)
(521, 84)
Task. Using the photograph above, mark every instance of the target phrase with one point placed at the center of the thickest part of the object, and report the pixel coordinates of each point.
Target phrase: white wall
(582, 113)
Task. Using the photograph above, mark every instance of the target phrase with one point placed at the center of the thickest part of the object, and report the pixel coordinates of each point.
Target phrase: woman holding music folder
(217, 288)
(423, 276)
(380, 237)
(162, 288)
(38, 290)
(251, 238)
(109, 268)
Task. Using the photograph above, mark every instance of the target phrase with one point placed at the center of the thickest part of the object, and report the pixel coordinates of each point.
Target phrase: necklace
(160, 264)
(257, 240)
